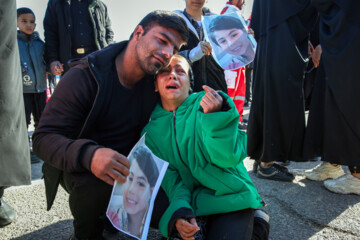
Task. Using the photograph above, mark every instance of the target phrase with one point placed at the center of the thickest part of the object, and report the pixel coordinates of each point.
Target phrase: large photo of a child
(131, 203)
(228, 35)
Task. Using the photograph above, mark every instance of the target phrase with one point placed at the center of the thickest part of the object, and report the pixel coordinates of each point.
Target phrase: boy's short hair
(223, 22)
(165, 19)
(24, 10)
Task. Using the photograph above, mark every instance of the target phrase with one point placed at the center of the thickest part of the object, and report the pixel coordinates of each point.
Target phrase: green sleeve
(224, 142)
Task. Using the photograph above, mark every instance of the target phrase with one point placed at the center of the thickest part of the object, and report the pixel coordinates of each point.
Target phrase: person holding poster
(206, 180)
(136, 193)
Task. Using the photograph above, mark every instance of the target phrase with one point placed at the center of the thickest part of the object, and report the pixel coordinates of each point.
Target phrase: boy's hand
(56, 68)
(212, 101)
(187, 229)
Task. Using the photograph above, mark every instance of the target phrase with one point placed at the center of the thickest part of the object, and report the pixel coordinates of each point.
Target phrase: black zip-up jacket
(63, 138)
(58, 24)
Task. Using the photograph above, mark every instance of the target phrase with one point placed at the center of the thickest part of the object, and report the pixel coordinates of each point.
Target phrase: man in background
(73, 29)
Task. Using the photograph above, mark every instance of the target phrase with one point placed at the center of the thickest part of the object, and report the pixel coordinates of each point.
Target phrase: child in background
(31, 49)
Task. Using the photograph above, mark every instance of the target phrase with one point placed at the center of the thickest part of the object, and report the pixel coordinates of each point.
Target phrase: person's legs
(39, 105)
(28, 107)
(88, 200)
(248, 72)
(236, 225)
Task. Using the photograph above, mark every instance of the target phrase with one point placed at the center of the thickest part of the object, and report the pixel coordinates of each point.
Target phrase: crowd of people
(166, 72)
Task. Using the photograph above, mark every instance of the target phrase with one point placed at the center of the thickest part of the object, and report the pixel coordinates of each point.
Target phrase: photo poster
(131, 203)
(228, 35)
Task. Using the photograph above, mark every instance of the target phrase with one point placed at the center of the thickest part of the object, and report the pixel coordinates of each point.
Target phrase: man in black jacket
(73, 29)
(96, 116)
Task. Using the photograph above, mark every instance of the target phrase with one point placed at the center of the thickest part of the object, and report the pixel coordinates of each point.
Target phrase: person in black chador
(277, 122)
(333, 130)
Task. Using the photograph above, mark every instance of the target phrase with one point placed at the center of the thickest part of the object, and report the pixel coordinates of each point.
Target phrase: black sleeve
(51, 34)
(185, 213)
(55, 139)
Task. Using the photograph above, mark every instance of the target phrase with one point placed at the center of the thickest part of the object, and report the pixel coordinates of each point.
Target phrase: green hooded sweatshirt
(205, 153)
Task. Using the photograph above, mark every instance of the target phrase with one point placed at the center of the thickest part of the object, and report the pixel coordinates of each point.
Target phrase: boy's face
(173, 82)
(26, 23)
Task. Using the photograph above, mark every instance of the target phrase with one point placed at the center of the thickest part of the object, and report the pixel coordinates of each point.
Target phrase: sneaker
(7, 214)
(275, 172)
(324, 171)
(260, 213)
(346, 184)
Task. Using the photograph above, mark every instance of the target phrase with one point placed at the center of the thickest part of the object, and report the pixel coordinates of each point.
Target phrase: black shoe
(7, 214)
(275, 172)
(255, 166)
(243, 125)
(34, 158)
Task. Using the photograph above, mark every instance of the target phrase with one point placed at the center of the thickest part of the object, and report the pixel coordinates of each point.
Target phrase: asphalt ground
(301, 209)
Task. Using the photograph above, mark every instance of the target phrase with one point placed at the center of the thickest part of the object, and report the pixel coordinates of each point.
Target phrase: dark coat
(14, 144)
(277, 120)
(64, 136)
(58, 24)
(333, 130)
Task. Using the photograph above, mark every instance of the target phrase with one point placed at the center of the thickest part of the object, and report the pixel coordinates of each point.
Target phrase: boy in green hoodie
(198, 135)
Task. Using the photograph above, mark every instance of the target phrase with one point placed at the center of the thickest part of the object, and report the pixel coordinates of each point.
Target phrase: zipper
(177, 145)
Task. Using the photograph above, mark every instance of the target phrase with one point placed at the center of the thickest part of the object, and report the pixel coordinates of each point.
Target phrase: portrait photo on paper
(228, 35)
(131, 203)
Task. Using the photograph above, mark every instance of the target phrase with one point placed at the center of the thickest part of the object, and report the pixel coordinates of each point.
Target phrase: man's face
(155, 48)
(173, 82)
(233, 41)
(26, 23)
(137, 191)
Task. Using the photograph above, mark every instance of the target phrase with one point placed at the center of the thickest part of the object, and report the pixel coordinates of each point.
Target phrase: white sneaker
(346, 184)
(324, 171)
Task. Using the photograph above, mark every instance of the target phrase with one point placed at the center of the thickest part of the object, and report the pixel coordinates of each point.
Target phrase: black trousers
(248, 71)
(35, 104)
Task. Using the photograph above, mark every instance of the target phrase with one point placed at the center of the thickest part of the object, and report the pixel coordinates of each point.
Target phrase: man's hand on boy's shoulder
(211, 101)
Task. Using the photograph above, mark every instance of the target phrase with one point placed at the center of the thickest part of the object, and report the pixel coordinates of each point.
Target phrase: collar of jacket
(24, 37)
(160, 111)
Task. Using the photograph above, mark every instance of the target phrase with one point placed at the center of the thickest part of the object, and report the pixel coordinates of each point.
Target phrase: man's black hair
(223, 22)
(165, 19)
(24, 10)
(147, 164)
